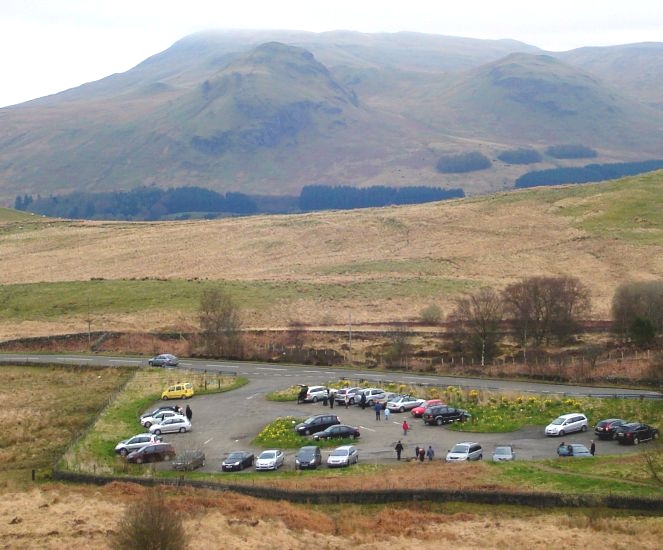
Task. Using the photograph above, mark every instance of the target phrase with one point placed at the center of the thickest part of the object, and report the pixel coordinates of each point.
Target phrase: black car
(237, 460)
(635, 433)
(607, 429)
(308, 457)
(317, 423)
(442, 414)
(340, 431)
(189, 460)
(152, 453)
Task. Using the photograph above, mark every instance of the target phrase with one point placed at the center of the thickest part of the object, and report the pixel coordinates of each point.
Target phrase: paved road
(226, 422)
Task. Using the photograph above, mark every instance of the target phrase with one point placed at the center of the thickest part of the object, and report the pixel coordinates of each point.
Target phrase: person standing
(362, 401)
(399, 449)
(377, 408)
(387, 412)
(592, 448)
(406, 427)
(430, 453)
(346, 400)
(332, 398)
(189, 413)
(422, 454)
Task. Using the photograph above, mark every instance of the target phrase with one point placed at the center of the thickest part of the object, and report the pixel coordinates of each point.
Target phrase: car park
(404, 403)
(163, 360)
(339, 397)
(134, 443)
(443, 414)
(181, 390)
(237, 460)
(340, 431)
(308, 457)
(566, 424)
(607, 429)
(315, 394)
(343, 456)
(635, 433)
(173, 424)
(189, 460)
(465, 451)
(272, 459)
(573, 450)
(419, 410)
(503, 453)
(371, 395)
(147, 421)
(316, 423)
(152, 453)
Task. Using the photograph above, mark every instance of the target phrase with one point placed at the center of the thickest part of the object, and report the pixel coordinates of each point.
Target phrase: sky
(52, 45)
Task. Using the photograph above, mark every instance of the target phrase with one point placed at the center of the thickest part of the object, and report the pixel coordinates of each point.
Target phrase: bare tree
(638, 303)
(220, 323)
(478, 317)
(398, 347)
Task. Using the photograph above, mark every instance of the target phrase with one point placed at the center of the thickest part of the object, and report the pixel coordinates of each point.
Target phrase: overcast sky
(51, 45)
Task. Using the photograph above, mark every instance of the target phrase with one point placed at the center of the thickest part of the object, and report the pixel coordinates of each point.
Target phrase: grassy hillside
(377, 264)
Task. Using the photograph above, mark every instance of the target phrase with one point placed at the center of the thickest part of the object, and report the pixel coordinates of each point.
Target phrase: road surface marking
(365, 428)
(206, 442)
(268, 368)
(252, 396)
(124, 361)
(74, 359)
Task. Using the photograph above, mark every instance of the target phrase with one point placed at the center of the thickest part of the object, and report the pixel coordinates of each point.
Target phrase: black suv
(442, 414)
(152, 453)
(317, 423)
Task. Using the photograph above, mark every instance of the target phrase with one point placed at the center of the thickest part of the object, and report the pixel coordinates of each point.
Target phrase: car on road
(343, 456)
(189, 460)
(237, 460)
(181, 390)
(173, 424)
(566, 424)
(607, 429)
(573, 450)
(315, 394)
(443, 414)
(316, 423)
(371, 395)
(635, 433)
(419, 411)
(134, 443)
(503, 453)
(350, 392)
(308, 457)
(404, 403)
(163, 360)
(152, 453)
(340, 431)
(272, 459)
(467, 450)
(147, 421)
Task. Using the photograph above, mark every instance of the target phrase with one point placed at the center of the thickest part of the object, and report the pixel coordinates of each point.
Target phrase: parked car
(404, 403)
(152, 453)
(386, 397)
(173, 424)
(315, 394)
(443, 414)
(503, 453)
(317, 423)
(573, 450)
(308, 457)
(372, 395)
(172, 408)
(147, 421)
(271, 459)
(163, 360)
(237, 460)
(343, 456)
(189, 460)
(607, 429)
(134, 443)
(419, 410)
(635, 433)
(350, 392)
(338, 431)
(468, 450)
(566, 424)
(181, 390)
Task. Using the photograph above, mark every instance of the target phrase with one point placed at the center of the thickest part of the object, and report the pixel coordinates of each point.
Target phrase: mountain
(267, 112)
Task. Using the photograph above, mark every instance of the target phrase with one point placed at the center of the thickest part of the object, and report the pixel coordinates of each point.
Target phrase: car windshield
(310, 420)
(268, 454)
(460, 449)
(340, 452)
(558, 421)
(234, 456)
(502, 451)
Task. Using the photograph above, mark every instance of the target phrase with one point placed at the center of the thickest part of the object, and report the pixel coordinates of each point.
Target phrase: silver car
(134, 443)
(343, 456)
(271, 459)
(163, 360)
(404, 403)
(172, 424)
(147, 421)
(503, 453)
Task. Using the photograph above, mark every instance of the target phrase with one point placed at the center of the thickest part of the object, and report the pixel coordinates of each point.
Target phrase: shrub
(431, 314)
(465, 162)
(520, 156)
(570, 151)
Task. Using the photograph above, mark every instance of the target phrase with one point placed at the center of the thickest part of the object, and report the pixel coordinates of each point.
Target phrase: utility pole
(89, 326)
(350, 338)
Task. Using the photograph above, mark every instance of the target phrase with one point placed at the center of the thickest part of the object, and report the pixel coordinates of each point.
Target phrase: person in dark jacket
(189, 413)
(592, 448)
(422, 454)
(399, 449)
(362, 401)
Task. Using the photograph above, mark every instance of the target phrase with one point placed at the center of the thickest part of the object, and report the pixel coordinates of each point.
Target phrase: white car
(172, 424)
(316, 393)
(163, 360)
(343, 456)
(467, 450)
(134, 443)
(147, 421)
(566, 424)
(271, 459)
(404, 403)
(372, 395)
(503, 453)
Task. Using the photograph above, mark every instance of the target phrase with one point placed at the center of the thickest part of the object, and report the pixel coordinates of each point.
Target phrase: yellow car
(181, 390)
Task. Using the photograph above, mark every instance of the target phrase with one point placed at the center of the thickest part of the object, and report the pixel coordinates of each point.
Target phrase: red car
(418, 412)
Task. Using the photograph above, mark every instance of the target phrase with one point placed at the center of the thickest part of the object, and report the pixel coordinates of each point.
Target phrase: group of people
(420, 453)
(187, 412)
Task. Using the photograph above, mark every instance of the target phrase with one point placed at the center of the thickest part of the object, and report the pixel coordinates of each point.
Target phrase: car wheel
(370, 402)
(402, 409)
(124, 452)
(139, 460)
(636, 441)
(315, 399)
(439, 421)
(157, 432)
(307, 432)
(165, 398)
(584, 428)
(352, 401)
(148, 424)
(182, 430)
(561, 433)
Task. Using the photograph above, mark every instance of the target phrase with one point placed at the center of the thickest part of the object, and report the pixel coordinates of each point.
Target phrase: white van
(566, 424)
